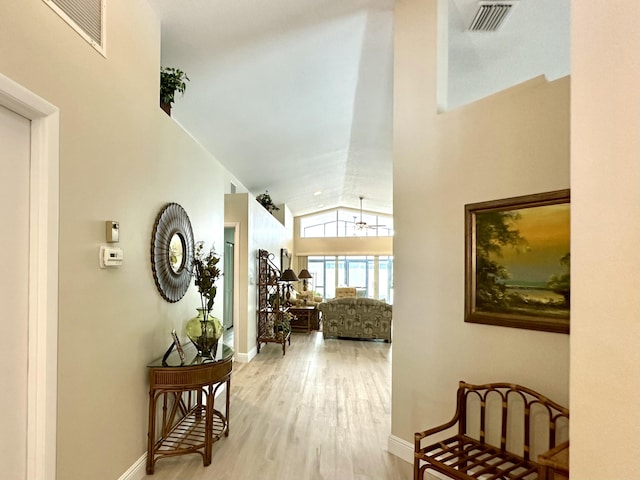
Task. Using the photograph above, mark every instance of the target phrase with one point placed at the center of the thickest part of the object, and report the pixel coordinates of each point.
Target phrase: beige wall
(344, 246)
(341, 245)
(605, 179)
(121, 158)
(236, 212)
(258, 230)
(514, 143)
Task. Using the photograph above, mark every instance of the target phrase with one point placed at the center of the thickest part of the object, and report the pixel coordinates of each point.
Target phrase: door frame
(43, 275)
(236, 283)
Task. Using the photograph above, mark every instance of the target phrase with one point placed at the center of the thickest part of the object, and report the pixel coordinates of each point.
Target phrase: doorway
(29, 128)
(14, 287)
(229, 281)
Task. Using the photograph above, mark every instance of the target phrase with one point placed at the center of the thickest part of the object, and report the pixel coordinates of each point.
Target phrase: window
(371, 275)
(343, 223)
(385, 279)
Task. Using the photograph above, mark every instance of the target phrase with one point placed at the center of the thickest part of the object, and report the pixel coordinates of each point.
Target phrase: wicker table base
(182, 402)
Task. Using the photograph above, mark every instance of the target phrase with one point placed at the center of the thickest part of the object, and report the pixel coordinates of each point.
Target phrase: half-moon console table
(182, 414)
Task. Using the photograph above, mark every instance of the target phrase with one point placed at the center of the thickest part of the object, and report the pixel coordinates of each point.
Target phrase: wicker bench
(501, 429)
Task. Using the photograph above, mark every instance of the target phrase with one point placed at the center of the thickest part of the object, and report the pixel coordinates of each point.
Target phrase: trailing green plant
(172, 81)
(264, 199)
(284, 325)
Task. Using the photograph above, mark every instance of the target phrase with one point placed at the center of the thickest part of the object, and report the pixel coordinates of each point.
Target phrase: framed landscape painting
(517, 262)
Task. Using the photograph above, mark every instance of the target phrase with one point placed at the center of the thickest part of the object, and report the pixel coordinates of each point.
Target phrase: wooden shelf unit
(270, 305)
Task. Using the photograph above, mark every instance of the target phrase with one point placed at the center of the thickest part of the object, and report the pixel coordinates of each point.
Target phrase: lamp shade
(304, 273)
(288, 276)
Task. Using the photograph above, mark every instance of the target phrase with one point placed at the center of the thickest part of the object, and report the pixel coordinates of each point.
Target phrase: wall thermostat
(110, 257)
(112, 231)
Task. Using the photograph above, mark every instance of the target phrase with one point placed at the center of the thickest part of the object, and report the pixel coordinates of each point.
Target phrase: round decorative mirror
(176, 252)
(172, 252)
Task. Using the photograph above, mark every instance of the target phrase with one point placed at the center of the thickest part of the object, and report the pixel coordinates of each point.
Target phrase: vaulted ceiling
(295, 96)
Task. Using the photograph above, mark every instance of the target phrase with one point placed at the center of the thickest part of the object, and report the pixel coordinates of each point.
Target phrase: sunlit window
(346, 223)
(372, 276)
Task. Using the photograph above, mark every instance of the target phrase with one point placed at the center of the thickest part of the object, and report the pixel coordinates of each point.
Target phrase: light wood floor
(321, 412)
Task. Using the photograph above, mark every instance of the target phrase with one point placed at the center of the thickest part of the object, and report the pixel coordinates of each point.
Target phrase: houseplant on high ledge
(204, 331)
(172, 80)
(264, 199)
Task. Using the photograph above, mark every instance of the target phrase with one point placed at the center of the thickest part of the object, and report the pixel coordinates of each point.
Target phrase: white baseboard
(137, 471)
(400, 448)
(246, 357)
(404, 450)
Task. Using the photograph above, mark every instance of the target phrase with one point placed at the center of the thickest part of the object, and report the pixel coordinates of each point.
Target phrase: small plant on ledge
(172, 80)
(264, 199)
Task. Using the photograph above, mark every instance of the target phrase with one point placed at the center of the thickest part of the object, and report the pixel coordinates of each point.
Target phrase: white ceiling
(295, 96)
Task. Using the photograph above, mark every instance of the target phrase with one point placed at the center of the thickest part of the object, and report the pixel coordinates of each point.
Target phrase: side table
(307, 318)
(189, 421)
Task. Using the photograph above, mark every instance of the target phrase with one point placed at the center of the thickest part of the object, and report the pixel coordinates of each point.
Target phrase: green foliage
(273, 297)
(206, 272)
(285, 324)
(264, 199)
(561, 284)
(490, 287)
(494, 230)
(172, 80)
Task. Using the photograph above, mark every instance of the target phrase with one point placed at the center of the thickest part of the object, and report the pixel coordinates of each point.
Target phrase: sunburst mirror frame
(172, 274)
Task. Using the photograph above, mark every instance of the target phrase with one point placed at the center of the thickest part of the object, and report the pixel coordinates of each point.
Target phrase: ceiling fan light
(361, 224)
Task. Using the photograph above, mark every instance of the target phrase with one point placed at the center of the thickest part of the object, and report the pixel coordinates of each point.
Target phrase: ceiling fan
(361, 225)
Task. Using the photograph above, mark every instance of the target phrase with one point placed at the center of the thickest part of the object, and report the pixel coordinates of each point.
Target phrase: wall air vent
(491, 15)
(87, 17)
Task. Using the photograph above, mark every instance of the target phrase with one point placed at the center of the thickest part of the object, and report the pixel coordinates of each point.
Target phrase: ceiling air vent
(87, 17)
(491, 15)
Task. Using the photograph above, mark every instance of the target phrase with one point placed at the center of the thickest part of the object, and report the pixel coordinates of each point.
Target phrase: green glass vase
(204, 331)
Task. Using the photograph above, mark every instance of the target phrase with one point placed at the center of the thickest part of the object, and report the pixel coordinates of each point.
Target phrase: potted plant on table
(204, 331)
(172, 81)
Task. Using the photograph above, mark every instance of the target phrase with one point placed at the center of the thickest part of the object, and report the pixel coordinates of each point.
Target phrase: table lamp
(287, 277)
(305, 276)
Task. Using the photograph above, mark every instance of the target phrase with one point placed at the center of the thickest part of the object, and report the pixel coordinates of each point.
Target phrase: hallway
(321, 412)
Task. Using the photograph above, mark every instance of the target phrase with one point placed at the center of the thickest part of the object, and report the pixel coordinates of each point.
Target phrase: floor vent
(87, 17)
(491, 15)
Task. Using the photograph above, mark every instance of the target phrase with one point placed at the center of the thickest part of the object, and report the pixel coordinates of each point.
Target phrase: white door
(14, 290)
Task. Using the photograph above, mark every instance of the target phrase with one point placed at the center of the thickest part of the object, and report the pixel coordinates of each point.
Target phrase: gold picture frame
(178, 345)
(517, 262)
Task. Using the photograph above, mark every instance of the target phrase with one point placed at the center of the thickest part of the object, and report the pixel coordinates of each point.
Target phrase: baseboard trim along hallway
(401, 448)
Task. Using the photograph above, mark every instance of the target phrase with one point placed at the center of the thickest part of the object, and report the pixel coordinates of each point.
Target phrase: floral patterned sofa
(356, 318)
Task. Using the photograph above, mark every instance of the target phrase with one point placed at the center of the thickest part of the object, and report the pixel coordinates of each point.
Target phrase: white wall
(514, 143)
(258, 230)
(605, 179)
(121, 158)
